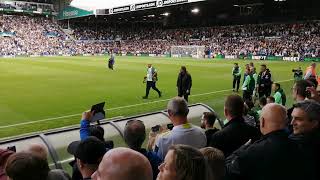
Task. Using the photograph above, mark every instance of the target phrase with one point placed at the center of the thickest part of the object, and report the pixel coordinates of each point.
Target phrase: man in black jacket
(184, 83)
(236, 132)
(264, 82)
(306, 132)
(134, 136)
(207, 122)
(274, 156)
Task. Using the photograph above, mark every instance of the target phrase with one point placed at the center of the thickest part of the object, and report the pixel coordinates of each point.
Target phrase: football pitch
(41, 93)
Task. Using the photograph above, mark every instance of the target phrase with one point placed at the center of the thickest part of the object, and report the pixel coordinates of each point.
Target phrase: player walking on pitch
(151, 80)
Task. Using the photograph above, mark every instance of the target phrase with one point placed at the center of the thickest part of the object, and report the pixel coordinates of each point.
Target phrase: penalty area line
(117, 108)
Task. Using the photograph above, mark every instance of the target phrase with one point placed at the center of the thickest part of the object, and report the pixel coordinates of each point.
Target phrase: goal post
(188, 51)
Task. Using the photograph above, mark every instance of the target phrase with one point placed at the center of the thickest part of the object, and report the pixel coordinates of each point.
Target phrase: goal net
(188, 51)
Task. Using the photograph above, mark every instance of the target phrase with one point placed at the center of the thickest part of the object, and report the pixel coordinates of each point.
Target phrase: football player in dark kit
(184, 83)
(236, 73)
(111, 61)
(264, 82)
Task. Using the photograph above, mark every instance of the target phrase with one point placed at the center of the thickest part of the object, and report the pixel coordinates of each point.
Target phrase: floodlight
(195, 11)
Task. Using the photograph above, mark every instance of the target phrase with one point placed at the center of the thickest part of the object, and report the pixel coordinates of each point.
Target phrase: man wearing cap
(88, 154)
(151, 80)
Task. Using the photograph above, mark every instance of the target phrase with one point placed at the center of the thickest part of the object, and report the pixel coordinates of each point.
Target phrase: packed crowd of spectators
(282, 144)
(301, 39)
(43, 36)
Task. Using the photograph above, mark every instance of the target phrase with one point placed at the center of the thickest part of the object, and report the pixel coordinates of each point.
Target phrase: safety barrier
(58, 140)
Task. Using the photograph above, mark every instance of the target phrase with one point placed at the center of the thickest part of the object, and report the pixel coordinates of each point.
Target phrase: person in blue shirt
(134, 136)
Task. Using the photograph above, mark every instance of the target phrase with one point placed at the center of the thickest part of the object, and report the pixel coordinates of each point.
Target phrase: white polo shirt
(186, 134)
(149, 74)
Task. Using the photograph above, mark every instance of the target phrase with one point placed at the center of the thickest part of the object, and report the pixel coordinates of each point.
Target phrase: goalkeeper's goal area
(188, 51)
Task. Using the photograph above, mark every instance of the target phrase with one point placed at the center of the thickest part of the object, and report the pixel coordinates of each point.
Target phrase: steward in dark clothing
(264, 82)
(233, 135)
(184, 83)
(274, 156)
(210, 133)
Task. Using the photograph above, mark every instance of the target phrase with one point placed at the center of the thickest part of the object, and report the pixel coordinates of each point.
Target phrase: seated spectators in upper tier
(28, 35)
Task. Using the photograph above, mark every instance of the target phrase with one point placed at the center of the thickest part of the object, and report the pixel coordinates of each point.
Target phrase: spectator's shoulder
(164, 135)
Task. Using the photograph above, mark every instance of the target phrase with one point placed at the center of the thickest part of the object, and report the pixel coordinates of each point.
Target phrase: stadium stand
(47, 38)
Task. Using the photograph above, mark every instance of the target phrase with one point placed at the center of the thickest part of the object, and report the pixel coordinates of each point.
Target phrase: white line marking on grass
(117, 108)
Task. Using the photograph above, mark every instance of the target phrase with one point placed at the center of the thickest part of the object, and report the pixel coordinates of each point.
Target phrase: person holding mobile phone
(135, 135)
(183, 132)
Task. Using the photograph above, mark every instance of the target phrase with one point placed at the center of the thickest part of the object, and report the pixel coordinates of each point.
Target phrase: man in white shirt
(151, 78)
(183, 131)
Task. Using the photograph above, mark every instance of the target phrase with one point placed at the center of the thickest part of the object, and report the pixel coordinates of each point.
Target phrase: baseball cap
(89, 151)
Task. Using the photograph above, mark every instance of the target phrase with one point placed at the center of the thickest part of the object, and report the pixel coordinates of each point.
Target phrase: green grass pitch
(61, 88)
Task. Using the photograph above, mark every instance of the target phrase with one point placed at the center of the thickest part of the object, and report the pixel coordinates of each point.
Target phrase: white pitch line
(116, 108)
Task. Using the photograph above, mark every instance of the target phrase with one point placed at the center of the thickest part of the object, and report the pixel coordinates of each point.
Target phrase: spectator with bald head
(236, 132)
(274, 156)
(134, 136)
(123, 164)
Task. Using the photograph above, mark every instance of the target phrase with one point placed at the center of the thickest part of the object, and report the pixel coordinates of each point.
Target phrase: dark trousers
(184, 95)
(151, 84)
(236, 81)
(265, 92)
(247, 95)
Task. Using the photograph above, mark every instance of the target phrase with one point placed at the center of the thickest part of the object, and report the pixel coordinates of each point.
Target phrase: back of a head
(271, 99)
(263, 101)
(216, 162)
(134, 134)
(38, 150)
(234, 105)
(124, 164)
(178, 107)
(210, 117)
(97, 131)
(183, 68)
(190, 163)
(26, 166)
(249, 103)
(301, 87)
(273, 118)
(313, 81)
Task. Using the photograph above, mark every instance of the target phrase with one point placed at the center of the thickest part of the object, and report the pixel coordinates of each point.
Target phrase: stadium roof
(102, 4)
